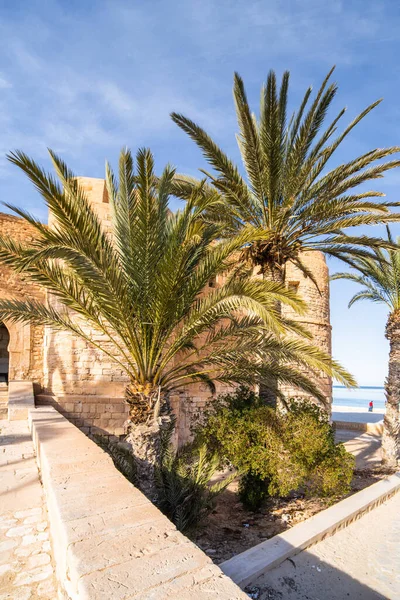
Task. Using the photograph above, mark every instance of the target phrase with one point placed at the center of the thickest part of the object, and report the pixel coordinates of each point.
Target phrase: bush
(185, 494)
(253, 491)
(277, 452)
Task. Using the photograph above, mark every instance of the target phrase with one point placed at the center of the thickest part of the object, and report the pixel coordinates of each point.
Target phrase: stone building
(79, 379)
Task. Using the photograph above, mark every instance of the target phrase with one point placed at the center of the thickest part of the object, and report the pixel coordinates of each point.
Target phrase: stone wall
(317, 319)
(94, 414)
(82, 382)
(26, 341)
(79, 379)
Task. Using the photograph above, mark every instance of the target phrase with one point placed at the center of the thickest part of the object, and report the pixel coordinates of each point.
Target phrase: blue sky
(86, 78)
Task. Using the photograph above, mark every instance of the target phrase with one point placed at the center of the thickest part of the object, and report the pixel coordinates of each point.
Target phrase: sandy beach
(357, 414)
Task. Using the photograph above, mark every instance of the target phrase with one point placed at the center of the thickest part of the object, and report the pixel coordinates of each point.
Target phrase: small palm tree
(287, 189)
(141, 286)
(379, 277)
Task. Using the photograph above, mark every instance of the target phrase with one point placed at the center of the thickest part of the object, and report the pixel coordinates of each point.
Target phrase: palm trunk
(145, 440)
(149, 418)
(391, 422)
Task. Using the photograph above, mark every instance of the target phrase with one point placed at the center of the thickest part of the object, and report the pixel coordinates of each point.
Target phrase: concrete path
(361, 562)
(26, 570)
(366, 447)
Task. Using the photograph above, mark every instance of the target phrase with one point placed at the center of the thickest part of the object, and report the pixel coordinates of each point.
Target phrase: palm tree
(141, 286)
(380, 280)
(287, 189)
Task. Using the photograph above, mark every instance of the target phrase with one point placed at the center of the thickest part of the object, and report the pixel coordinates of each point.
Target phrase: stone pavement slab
(26, 569)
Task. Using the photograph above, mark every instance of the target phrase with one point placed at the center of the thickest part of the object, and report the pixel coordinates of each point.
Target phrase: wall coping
(374, 428)
(20, 400)
(109, 540)
(246, 567)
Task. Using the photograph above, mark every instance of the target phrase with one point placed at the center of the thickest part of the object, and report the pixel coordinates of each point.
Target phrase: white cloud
(4, 83)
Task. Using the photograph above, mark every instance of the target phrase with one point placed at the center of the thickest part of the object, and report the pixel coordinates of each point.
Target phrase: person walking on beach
(370, 406)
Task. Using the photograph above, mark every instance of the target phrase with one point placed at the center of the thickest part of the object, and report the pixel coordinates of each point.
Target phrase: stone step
(3, 401)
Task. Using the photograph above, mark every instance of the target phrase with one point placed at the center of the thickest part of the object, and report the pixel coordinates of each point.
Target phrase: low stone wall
(20, 400)
(374, 428)
(109, 541)
(102, 415)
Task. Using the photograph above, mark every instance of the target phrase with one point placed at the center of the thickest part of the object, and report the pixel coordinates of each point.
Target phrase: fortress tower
(317, 320)
(86, 386)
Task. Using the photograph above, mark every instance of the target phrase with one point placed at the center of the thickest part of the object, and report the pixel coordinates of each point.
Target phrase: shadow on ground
(304, 577)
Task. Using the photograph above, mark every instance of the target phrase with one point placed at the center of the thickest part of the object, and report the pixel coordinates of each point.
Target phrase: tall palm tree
(142, 287)
(379, 277)
(286, 188)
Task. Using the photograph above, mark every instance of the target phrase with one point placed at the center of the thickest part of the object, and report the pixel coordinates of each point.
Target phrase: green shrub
(253, 491)
(185, 494)
(277, 452)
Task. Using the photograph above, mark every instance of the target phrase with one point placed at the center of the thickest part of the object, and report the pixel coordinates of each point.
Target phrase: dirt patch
(231, 529)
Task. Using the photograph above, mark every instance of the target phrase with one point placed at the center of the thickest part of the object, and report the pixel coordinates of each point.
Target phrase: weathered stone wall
(317, 319)
(26, 341)
(79, 379)
(188, 405)
(93, 414)
(85, 386)
(83, 383)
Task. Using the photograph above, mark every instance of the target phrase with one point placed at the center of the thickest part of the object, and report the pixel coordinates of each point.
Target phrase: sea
(360, 397)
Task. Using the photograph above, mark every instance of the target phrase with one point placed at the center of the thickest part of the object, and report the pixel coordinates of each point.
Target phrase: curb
(374, 428)
(246, 567)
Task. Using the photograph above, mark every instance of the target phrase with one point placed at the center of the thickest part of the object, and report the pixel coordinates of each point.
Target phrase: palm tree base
(145, 441)
(391, 437)
(147, 444)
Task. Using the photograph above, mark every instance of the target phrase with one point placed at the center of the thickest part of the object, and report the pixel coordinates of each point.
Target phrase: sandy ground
(360, 562)
(357, 415)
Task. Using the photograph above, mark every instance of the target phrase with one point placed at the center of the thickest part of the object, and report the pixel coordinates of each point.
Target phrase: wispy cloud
(4, 83)
(88, 91)
(87, 78)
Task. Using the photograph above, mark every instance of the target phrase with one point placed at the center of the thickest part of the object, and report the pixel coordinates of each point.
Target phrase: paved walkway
(366, 447)
(26, 570)
(361, 562)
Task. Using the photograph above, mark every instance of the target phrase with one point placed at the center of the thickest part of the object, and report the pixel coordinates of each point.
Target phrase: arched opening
(4, 355)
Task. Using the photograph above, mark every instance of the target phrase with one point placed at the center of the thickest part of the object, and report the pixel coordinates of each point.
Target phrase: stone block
(137, 575)
(109, 540)
(107, 549)
(20, 400)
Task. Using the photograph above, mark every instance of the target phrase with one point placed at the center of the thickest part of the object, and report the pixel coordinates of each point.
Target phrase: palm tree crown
(142, 284)
(287, 189)
(379, 276)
